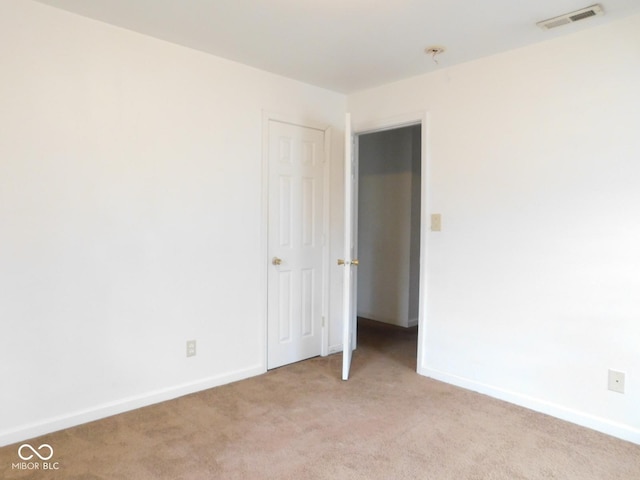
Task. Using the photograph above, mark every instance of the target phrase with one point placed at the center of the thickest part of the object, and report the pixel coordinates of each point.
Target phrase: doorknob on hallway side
(352, 262)
(276, 261)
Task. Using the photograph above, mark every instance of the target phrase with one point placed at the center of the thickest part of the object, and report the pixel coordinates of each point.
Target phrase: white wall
(387, 225)
(130, 216)
(533, 283)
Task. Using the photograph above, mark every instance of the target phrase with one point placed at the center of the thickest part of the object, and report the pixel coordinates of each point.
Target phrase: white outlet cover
(191, 348)
(616, 381)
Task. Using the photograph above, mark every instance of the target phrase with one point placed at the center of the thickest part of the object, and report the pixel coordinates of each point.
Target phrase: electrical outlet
(191, 348)
(616, 381)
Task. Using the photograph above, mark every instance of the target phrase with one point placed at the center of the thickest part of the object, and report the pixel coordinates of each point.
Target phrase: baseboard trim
(615, 429)
(378, 318)
(98, 412)
(412, 322)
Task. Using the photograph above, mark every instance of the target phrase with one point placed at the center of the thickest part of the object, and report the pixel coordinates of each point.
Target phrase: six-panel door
(295, 242)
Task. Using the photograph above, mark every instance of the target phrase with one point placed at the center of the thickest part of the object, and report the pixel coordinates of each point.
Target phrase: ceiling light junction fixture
(434, 51)
(571, 17)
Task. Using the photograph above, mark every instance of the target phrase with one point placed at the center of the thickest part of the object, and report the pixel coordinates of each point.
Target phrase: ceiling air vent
(567, 18)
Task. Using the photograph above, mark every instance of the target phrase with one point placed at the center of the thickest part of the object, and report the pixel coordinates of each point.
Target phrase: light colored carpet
(302, 422)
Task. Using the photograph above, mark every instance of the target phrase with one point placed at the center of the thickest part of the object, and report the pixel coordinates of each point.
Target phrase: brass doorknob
(276, 261)
(353, 262)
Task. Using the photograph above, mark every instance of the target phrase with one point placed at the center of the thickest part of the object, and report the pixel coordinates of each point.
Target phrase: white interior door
(348, 262)
(295, 243)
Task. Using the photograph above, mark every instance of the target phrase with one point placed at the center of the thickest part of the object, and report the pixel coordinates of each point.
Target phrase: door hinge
(322, 322)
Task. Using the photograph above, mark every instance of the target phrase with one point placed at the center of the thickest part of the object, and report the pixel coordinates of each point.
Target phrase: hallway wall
(389, 225)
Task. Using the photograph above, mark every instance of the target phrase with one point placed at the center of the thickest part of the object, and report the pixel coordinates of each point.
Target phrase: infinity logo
(35, 452)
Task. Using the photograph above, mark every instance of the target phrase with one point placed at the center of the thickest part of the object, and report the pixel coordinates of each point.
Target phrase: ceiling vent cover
(568, 18)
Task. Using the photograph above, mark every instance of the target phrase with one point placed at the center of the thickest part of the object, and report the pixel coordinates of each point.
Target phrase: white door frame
(267, 117)
(392, 123)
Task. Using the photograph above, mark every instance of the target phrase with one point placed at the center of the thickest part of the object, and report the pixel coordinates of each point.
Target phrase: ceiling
(345, 45)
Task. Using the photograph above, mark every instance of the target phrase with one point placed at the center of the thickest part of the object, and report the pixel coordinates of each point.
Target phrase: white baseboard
(413, 322)
(335, 348)
(98, 412)
(618, 430)
(378, 318)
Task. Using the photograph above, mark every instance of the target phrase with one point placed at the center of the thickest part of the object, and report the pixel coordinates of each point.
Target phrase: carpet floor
(302, 422)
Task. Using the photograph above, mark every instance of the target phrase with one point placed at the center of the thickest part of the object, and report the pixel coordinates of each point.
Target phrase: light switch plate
(436, 222)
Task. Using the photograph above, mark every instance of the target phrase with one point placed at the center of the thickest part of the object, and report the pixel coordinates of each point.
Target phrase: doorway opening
(388, 221)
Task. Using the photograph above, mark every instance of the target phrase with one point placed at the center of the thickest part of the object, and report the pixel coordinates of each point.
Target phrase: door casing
(392, 123)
